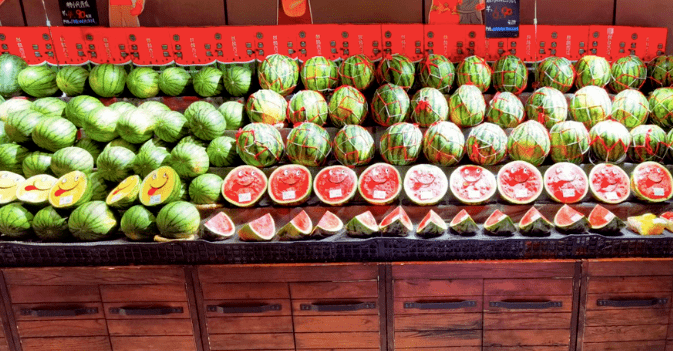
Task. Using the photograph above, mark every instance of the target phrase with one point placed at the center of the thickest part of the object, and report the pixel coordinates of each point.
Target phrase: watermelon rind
(137, 126)
(237, 78)
(15, 221)
(189, 160)
(171, 126)
(401, 144)
(125, 200)
(279, 73)
(328, 225)
(362, 226)
(222, 152)
(139, 224)
(36, 163)
(107, 80)
(431, 226)
(38, 81)
(178, 220)
(143, 82)
(206, 189)
(521, 195)
(234, 114)
(281, 173)
(10, 67)
(665, 190)
(353, 146)
(425, 184)
(533, 223)
(293, 231)
(50, 225)
(12, 156)
(92, 221)
(347, 106)
(436, 71)
(499, 224)
(602, 221)
(239, 172)
(396, 223)
(70, 159)
(562, 171)
(599, 170)
(463, 224)
(373, 172)
(115, 163)
(174, 80)
(212, 233)
(324, 194)
(249, 233)
(259, 145)
(480, 179)
(569, 220)
(320, 74)
(357, 71)
(208, 82)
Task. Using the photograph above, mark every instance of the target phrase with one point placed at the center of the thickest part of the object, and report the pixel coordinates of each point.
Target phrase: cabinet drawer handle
(632, 303)
(440, 305)
(526, 305)
(245, 309)
(145, 311)
(61, 312)
(337, 307)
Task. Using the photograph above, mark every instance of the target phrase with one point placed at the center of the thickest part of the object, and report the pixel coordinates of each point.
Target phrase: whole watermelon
(609, 142)
(92, 221)
(36, 163)
(173, 81)
(136, 126)
(222, 152)
(628, 72)
(149, 159)
(590, 105)
(661, 107)
(143, 82)
(529, 142)
(486, 144)
(648, 143)
(569, 142)
(196, 106)
(155, 107)
(3, 136)
(555, 72)
(78, 108)
(592, 70)
(630, 108)
(178, 220)
(92, 147)
(12, 156)
(266, 106)
(319, 74)
(70, 159)
(20, 125)
(308, 144)
(506, 110)
(474, 70)
(401, 144)
(347, 106)
(138, 224)
(189, 160)
(206, 189)
(99, 188)
(510, 74)
(101, 124)
(10, 66)
(467, 106)
(107, 80)
(429, 106)
(307, 106)
(547, 106)
(357, 71)
(390, 105)
(50, 106)
(443, 144)
(15, 221)
(353, 146)
(237, 78)
(115, 163)
(71, 80)
(278, 73)
(660, 71)
(398, 70)
(207, 124)
(13, 105)
(122, 143)
(208, 82)
(259, 145)
(49, 225)
(171, 126)
(38, 81)
(436, 71)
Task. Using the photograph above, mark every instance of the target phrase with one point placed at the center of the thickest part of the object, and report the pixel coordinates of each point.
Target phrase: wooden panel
(183, 314)
(18, 307)
(95, 275)
(640, 316)
(400, 310)
(258, 341)
(476, 269)
(456, 348)
(340, 290)
(56, 293)
(296, 307)
(377, 11)
(567, 302)
(437, 338)
(329, 324)
(228, 325)
(285, 307)
(151, 327)
(438, 322)
(575, 12)
(626, 346)
(528, 320)
(625, 333)
(625, 267)
(51, 328)
(153, 343)
(655, 14)
(12, 14)
(424, 287)
(3, 345)
(519, 287)
(592, 300)
(96, 343)
(138, 293)
(526, 348)
(599, 285)
(337, 340)
(244, 291)
(554, 337)
(288, 273)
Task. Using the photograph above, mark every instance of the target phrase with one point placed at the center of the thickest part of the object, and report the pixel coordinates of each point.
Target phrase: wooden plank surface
(55, 328)
(152, 343)
(645, 284)
(482, 269)
(95, 275)
(527, 320)
(522, 287)
(592, 300)
(471, 321)
(640, 316)
(448, 287)
(139, 293)
(456, 348)
(437, 338)
(181, 304)
(337, 340)
(55, 293)
(552, 337)
(151, 327)
(625, 346)
(94, 343)
(526, 348)
(624, 267)
(334, 290)
(258, 341)
(625, 333)
(566, 301)
(229, 325)
(400, 310)
(285, 307)
(52, 306)
(288, 272)
(244, 291)
(297, 311)
(329, 324)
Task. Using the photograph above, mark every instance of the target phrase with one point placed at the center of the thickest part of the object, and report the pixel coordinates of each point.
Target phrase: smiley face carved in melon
(519, 182)
(160, 186)
(69, 190)
(609, 183)
(380, 184)
(8, 183)
(566, 183)
(244, 186)
(36, 188)
(335, 185)
(290, 185)
(472, 184)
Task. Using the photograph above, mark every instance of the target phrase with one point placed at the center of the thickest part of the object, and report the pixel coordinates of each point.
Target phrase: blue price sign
(502, 18)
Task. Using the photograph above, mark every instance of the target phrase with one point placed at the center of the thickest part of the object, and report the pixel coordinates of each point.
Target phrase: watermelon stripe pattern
(609, 142)
(353, 146)
(429, 106)
(347, 106)
(661, 107)
(510, 74)
(266, 106)
(529, 142)
(308, 144)
(474, 70)
(436, 71)
(319, 74)
(630, 108)
(628, 72)
(443, 144)
(506, 110)
(660, 71)
(486, 144)
(467, 106)
(569, 142)
(555, 72)
(397, 70)
(259, 145)
(307, 106)
(278, 73)
(390, 105)
(547, 106)
(173, 81)
(38, 81)
(357, 71)
(107, 80)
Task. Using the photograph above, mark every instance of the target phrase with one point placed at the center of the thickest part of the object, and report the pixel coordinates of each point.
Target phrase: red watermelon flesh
(472, 185)
(335, 185)
(302, 221)
(396, 223)
(609, 183)
(520, 182)
(566, 182)
(602, 220)
(219, 227)
(494, 218)
(290, 185)
(432, 225)
(461, 216)
(425, 184)
(380, 184)
(667, 216)
(298, 228)
(261, 229)
(652, 182)
(244, 186)
(329, 224)
(534, 223)
(570, 220)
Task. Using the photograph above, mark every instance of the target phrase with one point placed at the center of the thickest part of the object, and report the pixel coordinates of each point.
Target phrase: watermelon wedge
(668, 217)
(571, 221)
(520, 182)
(335, 185)
(603, 221)
(396, 223)
(609, 183)
(533, 223)
(244, 186)
(566, 183)
(328, 225)
(431, 226)
(218, 227)
(425, 184)
(362, 226)
(499, 224)
(647, 224)
(298, 228)
(652, 182)
(463, 224)
(261, 229)
(472, 185)
(380, 184)
(290, 185)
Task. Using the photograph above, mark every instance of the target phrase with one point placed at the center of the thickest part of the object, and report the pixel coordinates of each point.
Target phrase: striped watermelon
(189, 160)
(156, 107)
(92, 221)
(49, 225)
(308, 144)
(443, 144)
(661, 107)
(628, 72)
(38, 81)
(547, 106)
(149, 159)
(138, 224)
(79, 107)
(101, 124)
(115, 163)
(592, 70)
(278, 73)
(208, 82)
(160, 187)
(648, 143)
(660, 71)
(13, 105)
(266, 106)
(192, 140)
(71, 159)
(196, 106)
(136, 126)
(436, 71)
(398, 70)
(173, 81)
(15, 221)
(529, 142)
(569, 142)
(486, 144)
(609, 142)
(353, 146)
(20, 125)
(50, 106)
(259, 145)
(319, 74)
(206, 189)
(125, 194)
(307, 106)
(36, 163)
(347, 106)
(99, 188)
(178, 220)
(237, 78)
(207, 125)
(222, 152)
(171, 126)
(3, 136)
(11, 157)
(143, 82)
(555, 72)
(357, 71)
(107, 80)
(10, 186)
(122, 106)
(467, 106)
(474, 70)
(401, 144)
(10, 66)
(234, 114)
(590, 105)
(71, 80)
(510, 74)
(630, 108)
(506, 110)
(298, 228)
(92, 147)
(390, 105)
(429, 106)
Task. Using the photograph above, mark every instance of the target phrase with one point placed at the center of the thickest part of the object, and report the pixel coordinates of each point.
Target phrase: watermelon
(486, 144)
(555, 72)
(472, 185)
(647, 224)
(668, 217)
(138, 224)
(38, 81)
(380, 184)
(463, 224)
(436, 71)
(353, 146)
(443, 144)
(319, 74)
(510, 74)
(192, 140)
(71, 190)
(390, 105)
(533, 223)
(222, 152)
(400, 144)
(237, 78)
(431, 226)
(396, 69)
(425, 184)
(49, 225)
(298, 228)
(278, 73)
(178, 220)
(136, 126)
(71, 159)
(467, 106)
(652, 182)
(362, 226)
(630, 108)
(4, 139)
(571, 221)
(115, 163)
(150, 159)
(107, 80)
(592, 70)
(36, 163)
(290, 185)
(92, 221)
(20, 125)
(566, 183)
(529, 142)
(35, 190)
(122, 143)
(307, 106)
(520, 182)
(11, 157)
(569, 142)
(648, 143)
(13, 105)
(505, 109)
(143, 82)
(474, 70)
(628, 72)
(661, 107)
(429, 106)
(218, 227)
(171, 126)
(206, 189)
(347, 106)
(328, 225)
(244, 186)
(266, 106)
(208, 82)
(609, 183)
(609, 141)
(234, 114)
(499, 224)
(207, 125)
(547, 106)
(9, 183)
(15, 221)
(189, 160)
(260, 229)
(259, 145)
(99, 188)
(357, 71)
(590, 105)
(335, 185)
(122, 106)
(78, 108)
(173, 81)
(125, 194)
(50, 106)
(155, 107)
(308, 144)
(396, 223)
(92, 147)
(10, 66)
(101, 124)
(161, 186)
(196, 106)
(660, 71)
(602, 221)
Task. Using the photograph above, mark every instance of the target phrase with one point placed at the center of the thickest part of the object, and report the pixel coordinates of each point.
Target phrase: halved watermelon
(652, 182)
(396, 223)
(380, 184)
(569, 220)
(425, 184)
(668, 217)
(335, 185)
(647, 224)
(463, 224)
(609, 183)
(472, 185)
(431, 226)
(603, 221)
(533, 223)
(520, 182)
(566, 183)
(298, 228)
(244, 186)
(362, 226)
(500, 224)
(218, 227)
(125, 194)
(261, 229)
(290, 185)
(328, 225)
(9, 182)
(35, 190)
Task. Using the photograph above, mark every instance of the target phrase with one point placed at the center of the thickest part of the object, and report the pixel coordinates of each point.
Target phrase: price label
(66, 200)
(473, 194)
(611, 196)
(380, 195)
(155, 199)
(289, 195)
(245, 197)
(576, 217)
(425, 195)
(609, 216)
(118, 196)
(521, 193)
(658, 191)
(568, 192)
(335, 193)
(32, 196)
